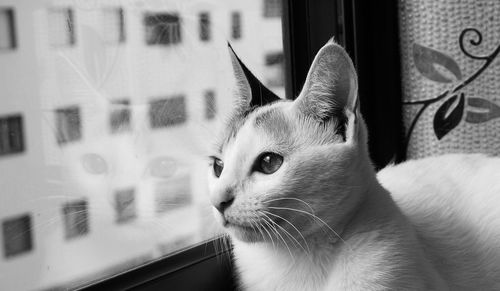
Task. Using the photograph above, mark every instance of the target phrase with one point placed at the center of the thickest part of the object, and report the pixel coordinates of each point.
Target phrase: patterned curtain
(451, 76)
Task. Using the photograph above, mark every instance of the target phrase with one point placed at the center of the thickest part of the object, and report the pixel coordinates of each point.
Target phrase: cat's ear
(251, 92)
(331, 87)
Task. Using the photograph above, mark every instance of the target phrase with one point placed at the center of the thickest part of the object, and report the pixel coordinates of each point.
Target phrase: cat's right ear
(331, 87)
(243, 91)
(250, 91)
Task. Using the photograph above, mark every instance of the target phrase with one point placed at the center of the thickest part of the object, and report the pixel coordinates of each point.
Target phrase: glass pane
(103, 141)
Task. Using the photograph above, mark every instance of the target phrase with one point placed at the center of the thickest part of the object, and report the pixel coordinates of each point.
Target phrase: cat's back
(454, 203)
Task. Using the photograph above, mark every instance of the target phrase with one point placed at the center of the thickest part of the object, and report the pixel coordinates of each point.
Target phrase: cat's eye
(268, 163)
(218, 166)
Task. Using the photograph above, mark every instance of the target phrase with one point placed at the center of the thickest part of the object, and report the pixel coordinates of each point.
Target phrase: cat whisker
(278, 234)
(268, 233)
(291, 198)
(315, 217)
(221, 248)
(287, 233)
(255, 227)
(226, 247)
(218, 249)
(291, 224)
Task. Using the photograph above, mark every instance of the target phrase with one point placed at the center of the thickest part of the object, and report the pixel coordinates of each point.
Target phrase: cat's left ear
(251, 92)
(331, 87)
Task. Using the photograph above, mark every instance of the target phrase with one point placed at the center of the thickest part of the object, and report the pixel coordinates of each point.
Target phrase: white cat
(294, 187)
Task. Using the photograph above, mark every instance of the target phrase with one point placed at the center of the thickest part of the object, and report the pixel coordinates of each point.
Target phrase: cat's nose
(224, 201)
(223, 205)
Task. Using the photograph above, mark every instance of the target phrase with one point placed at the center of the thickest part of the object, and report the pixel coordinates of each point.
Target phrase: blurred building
(106, 110)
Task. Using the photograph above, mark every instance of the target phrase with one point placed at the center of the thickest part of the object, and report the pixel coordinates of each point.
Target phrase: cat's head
(285, 166)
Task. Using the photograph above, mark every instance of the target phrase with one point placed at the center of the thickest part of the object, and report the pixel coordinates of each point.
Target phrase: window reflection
(106, 111)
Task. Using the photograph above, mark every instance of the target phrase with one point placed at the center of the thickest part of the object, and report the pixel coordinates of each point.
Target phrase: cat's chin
(244, 233)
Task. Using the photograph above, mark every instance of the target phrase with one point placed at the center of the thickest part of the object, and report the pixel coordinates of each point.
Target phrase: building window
(173, 194)
(11, 135)
(68, 124)
(76, 222)
(17, 236)
(272, 8)
(167, 112)
(275, 72)
(113, 25)
(125, 206)
(205, 26)
(61, 27)
(120, 116)
(162, 29)
(7, 29)
(210, 104)
(236, 25)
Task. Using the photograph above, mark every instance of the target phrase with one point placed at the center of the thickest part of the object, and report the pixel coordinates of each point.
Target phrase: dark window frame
(12, 141)
(70, 26)
(205, 22)
(272, 8)
(12, 28)
(210, 104)
(236, 23)
(307, 25)
(76, 219)
(125, 205)
(120, 116)
(23, 241)
(159, 115)
(275, 63)
(122, 35)
(165, 28)
(67, 120)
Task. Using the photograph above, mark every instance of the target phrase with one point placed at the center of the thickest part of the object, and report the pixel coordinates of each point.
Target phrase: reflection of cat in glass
(293, 185)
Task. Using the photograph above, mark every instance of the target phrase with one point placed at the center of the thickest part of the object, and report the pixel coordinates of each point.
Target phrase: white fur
(452, 202)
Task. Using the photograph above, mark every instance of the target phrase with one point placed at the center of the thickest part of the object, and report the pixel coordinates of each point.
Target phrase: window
(173, 194)
(75, 219)
(236, 25)
(113, 25)
(272, 8)
(11, 135)
(167, 112)
(7, 29)
(210, 104)
(205, 26)
(68, 124)
(113, 134)
(275, 72)
(162, 29)
(125, 205)
(120, 116)
(61, 27)
(17, 237)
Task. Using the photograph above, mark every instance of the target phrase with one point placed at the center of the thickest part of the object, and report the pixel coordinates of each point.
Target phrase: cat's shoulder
(459, 162)
(471, 181)
(452, 202)
(438, 170)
